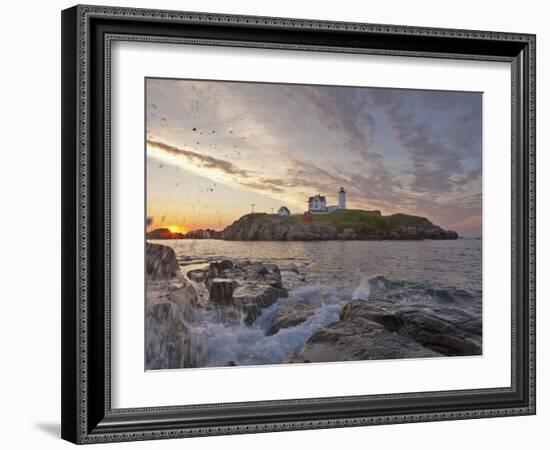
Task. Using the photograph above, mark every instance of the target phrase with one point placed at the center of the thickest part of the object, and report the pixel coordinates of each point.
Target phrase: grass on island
(357, 219)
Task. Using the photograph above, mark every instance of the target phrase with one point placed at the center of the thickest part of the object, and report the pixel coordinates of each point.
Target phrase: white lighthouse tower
(341, 198)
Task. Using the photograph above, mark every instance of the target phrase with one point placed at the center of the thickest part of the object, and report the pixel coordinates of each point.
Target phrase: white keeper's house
(318, 203)
(283, 211)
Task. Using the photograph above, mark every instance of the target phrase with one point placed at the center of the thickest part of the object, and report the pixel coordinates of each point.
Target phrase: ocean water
(326, 274)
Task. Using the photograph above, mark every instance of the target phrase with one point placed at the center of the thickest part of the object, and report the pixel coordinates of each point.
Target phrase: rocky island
(348, 224)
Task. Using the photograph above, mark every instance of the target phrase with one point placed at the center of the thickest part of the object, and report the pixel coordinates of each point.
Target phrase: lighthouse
(341, 198)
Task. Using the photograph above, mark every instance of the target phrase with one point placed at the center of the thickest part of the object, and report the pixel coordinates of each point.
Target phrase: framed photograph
(279, 224)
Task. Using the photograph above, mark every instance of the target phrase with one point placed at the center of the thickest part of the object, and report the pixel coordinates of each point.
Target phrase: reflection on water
(455, 263)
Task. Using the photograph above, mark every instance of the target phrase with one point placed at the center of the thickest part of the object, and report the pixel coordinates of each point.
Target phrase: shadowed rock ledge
(161, 262)
(342, 225)
(380, 329)
(245, 287)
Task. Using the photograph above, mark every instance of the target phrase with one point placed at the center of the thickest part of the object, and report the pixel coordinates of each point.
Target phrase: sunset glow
(176, 229)
(219, 150)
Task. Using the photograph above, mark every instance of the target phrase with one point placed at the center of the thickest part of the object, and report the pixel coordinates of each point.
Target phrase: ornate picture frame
(88, 33)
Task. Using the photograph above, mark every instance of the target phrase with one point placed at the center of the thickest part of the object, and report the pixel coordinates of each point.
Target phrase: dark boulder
(169, 343)
(443, 328)
(358, 339)
(246, 286)
(161, 262)
(391, 329)
(198, 275)
(290, 315)
(220, 290)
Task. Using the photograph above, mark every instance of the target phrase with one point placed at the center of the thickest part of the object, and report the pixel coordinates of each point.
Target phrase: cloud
(436, 149)
(198, 159)
(340, 110)
(392, 149)
(263, 187)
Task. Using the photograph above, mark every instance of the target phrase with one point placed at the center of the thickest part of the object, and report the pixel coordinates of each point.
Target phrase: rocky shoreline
(378, 329)
(266, 227)
(346, 225)
(240, 292)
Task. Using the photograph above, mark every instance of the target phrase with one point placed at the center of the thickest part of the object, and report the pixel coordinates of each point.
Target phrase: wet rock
(218, 268)
(246, 286)
(445, 329)
(198, 275)
(220, 290)
(251, 299)
(186, 296)
(290, 315)
(171, 307)
(292, 276)
(443, 294)
(384, 328)
(358, 339)
(293, 268)
(169, 343)
(161, 262)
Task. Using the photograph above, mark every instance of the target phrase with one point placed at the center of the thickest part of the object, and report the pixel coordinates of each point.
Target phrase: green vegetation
(361, 221)
(346, 224)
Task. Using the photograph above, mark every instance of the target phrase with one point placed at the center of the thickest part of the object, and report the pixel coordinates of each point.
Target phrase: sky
(218, 150)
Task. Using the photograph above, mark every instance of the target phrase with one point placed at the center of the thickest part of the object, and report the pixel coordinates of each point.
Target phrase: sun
(176, 229)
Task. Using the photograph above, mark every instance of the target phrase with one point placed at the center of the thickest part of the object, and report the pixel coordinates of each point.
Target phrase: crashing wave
(213, 336)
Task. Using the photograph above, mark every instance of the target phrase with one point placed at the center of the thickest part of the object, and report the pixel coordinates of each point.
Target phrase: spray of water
(214, 336)
(242, 344)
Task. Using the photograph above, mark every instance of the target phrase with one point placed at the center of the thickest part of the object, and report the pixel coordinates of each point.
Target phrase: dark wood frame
(87, 32)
